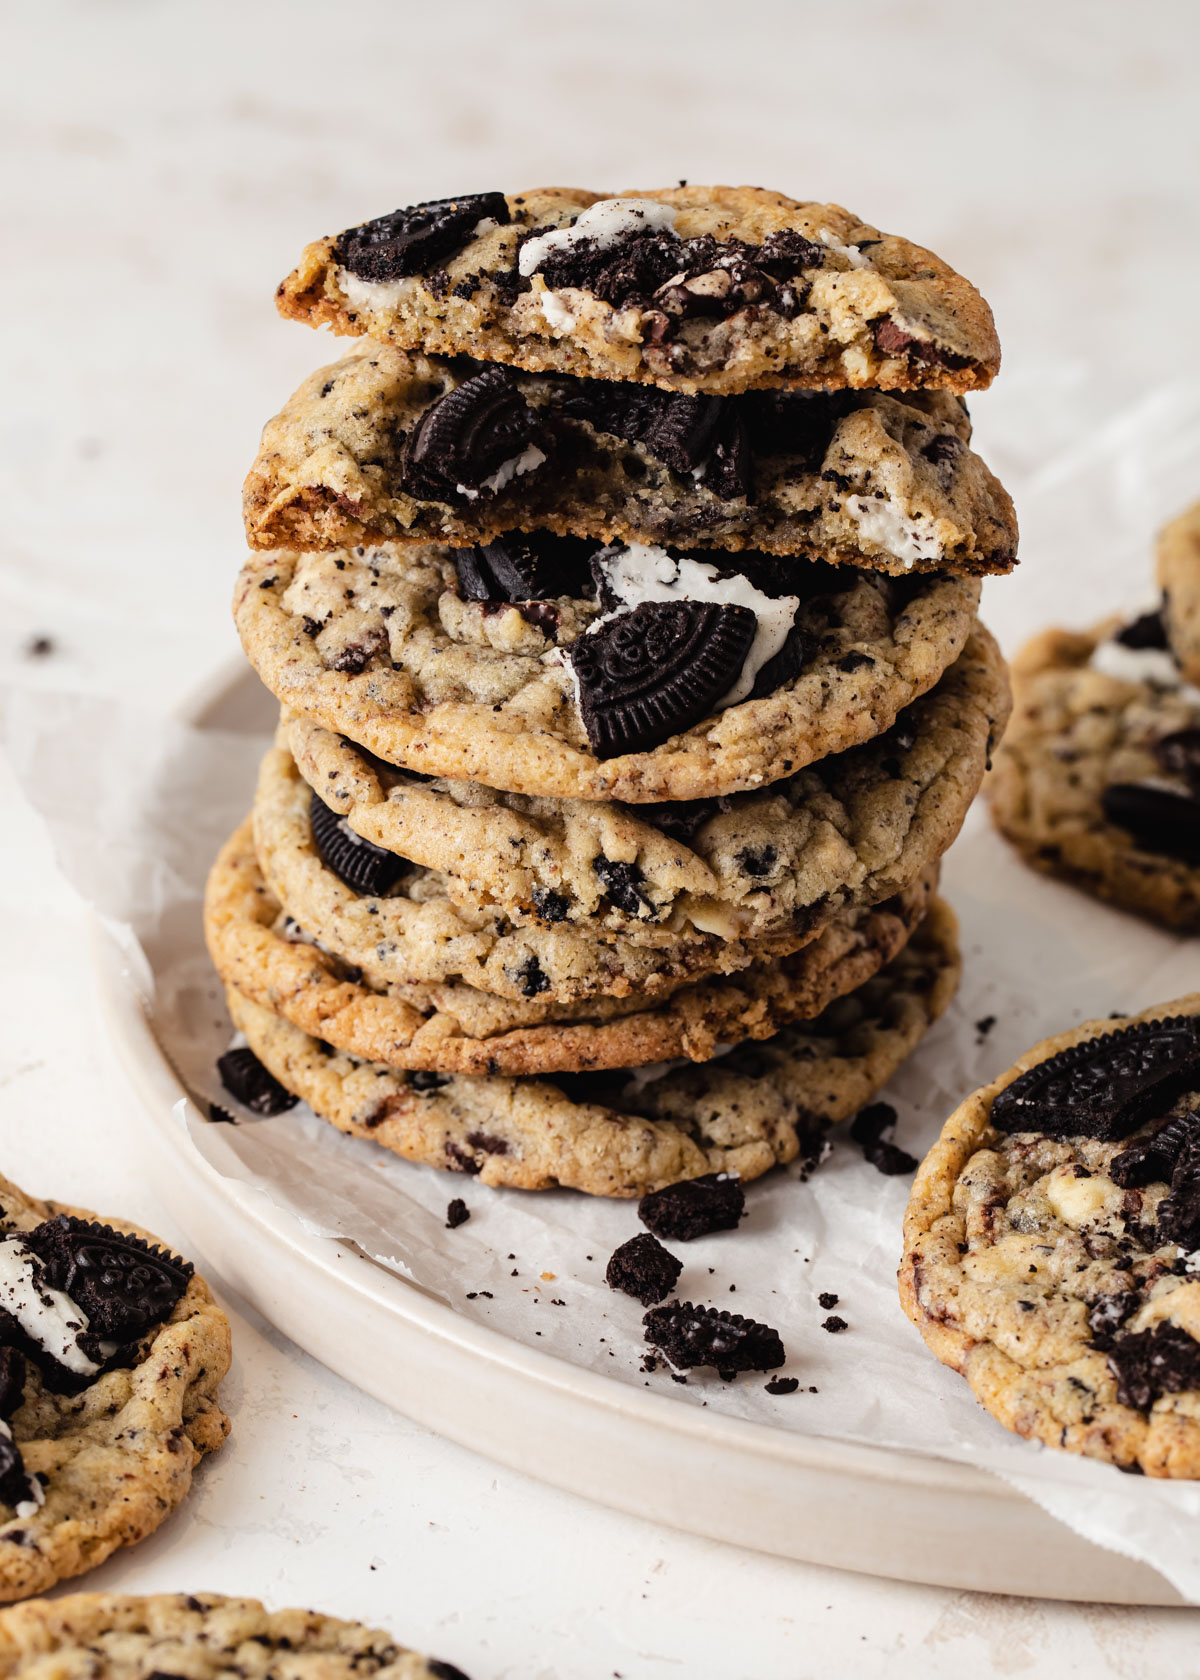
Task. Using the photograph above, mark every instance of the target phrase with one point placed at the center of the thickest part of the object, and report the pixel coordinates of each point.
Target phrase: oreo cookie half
(1158, 820)
(472, 441)
(366, 868)
(1104, 1087)
(655, 671)
(410, 241)
(691, 1336)
(122, 1283)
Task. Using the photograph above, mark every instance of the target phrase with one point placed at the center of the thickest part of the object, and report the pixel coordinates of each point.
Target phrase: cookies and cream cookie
(111, 1353)
(1052, 1242)
(582, 687)
(1177, 567)
(391, 446)
(630, 1131)
(106, 1636)
(1098, 777)
(695, 289)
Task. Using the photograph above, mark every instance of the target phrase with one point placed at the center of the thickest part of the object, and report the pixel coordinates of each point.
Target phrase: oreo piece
(457, 1213)
(623, 883)
(124, 1284)
(245, 1078)
(15, 1485)
(643, 1268)
(1152, 1159)
(1179, 1212)
(411, 241)
(1179, 755)
(12, 1380)
(681, 819)
(691, 1336)
(1109, 1313)
(782, 1385)
(871, 1129)
(652, 673)
(698, 437)
(1157, 819)
(696, 1207)
(525, 566)
(468, 438)
(1104, 1087)
(800, 423)
(364, 867)
(1147, 1363)
(1148, 631)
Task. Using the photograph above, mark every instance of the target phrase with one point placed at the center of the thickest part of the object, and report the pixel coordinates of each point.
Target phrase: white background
(162, 166)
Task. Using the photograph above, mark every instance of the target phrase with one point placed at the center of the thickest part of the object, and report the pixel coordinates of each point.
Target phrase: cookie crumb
(643, 1268)
(827, 1300)
(833, 1324)
(695, 1207)
(782, 1385)
(39, 647)
(984, 1026)
(869, 1129)
(457, 1213)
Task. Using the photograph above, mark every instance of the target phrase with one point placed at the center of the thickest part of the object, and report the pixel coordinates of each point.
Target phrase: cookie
(457, 1028)
(387, 445)
(1051, 1238)
(850, 829)
(1177, 565)
(383, 645)
(111, 1353)
(712, 289)
(105, 1636)
(1098, 777)
(628, 1134)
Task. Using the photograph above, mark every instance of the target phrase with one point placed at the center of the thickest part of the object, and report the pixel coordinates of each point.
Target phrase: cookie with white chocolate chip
(392, 446)
(111, 1352)
(693, 288)
(1051, 1240)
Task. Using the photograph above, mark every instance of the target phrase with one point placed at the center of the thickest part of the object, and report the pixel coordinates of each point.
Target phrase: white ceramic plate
(818, 1500)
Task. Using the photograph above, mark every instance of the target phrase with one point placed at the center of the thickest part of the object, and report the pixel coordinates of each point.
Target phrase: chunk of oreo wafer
(365, 868)
(412, 240)
(525, 566)
(691, 1336)
(245, 1078)
(472, 441)
(696, 1207)
(643, 1268)
(1158, 819)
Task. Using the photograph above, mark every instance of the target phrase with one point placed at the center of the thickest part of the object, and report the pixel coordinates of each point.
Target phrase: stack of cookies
(619, 593)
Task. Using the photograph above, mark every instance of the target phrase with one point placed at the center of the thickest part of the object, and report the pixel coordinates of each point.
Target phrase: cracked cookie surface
(621, 1135)
(762, 290)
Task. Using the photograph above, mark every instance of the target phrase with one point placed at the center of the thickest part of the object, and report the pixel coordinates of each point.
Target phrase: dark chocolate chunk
(643, 1268)
(1148, 631)
(654, 672)
(1157, 819)
(1179, 755)
(245, 1078)
(696, 1207)
(412, 241)
(12, 1380)
(1151, 1159)
(782, 1385)
(123, 1284)
(365, 868)
(893, 340)
(1104, 1087)
(691, 1336)
(467, 436)
(525, 566)
(623, 882)
(1147, 1363)
(1109, 1313)
(457, 1213)
(551, 906)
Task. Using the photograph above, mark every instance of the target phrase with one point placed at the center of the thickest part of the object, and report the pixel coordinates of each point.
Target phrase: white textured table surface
(162, 167)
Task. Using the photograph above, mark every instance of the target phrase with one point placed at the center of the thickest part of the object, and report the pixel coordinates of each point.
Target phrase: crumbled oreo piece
(690, 1336)
(246, 1079)
(1179, 755)
(680, 819)
(444, 1670)
(468, 442)
(413, 240)
(800, 423)
(365, 868)
(643, 1268)
(457, 1213)
(655, 671)
(1158, 819)
(1147, 1363)
(698, 437)
(827, 1301)
(1179, 1212)
(834, 1324)
(782, 1385)
(1109, 1313)
(696, 1207)
(1104, 1087)
(124, 1284)
(532, 977)
(550, 906)
(525, 566)
(623, 883)
(1147, 631)
(1152, 1159)
(12, 1380)
(15, 1486)
(870, 1129)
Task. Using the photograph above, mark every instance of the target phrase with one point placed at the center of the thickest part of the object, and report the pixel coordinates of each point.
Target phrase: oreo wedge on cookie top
(692, 289)
(387, 444)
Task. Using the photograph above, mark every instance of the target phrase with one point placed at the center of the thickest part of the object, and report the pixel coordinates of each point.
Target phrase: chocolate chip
(782, 1385)
(365, 868)
(1152, 1159)
(466, 437)
(124, 1284)
(696, 1207)
(623, 882)
(1147, 1363)
(1148, 631)
(643, 1268)
(551, 906)
(1179, 755)
(654, 672)
(411, 241)
(690, 1336)
(834, 1324)
(1103, 1087)
(1157, 819)
(457, 1213)
(245, 1078)
(519, 566)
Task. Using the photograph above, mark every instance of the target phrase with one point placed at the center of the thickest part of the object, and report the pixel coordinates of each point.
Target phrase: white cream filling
(644, 572)
(851, 253)
(605, 223)
(373, 294)
(529, 458)
(37, 1493)
(47, 1316)
(1154, 666)
(909, 537)
(560, 317)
